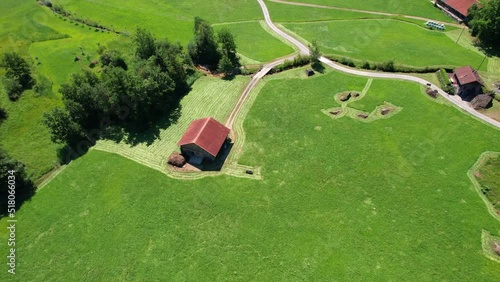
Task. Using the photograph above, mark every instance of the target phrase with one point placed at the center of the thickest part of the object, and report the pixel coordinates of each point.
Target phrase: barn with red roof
(203, 139)
(459, 8)
(467, 81)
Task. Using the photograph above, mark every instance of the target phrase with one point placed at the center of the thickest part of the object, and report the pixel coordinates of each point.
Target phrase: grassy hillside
(340, 200)
(383, 40)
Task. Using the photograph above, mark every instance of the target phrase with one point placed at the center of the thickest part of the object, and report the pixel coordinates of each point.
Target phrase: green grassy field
(421, 8)
(172, 19)
(255, 42)
(383, 40)
(340, 200)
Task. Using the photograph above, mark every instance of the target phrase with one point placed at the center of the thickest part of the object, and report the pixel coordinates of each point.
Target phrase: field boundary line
(470, 173)
(50, 176)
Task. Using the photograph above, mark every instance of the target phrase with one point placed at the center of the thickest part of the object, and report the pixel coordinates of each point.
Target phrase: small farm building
(482, 101)
(203, 139)
(467, 81)
(458, 8)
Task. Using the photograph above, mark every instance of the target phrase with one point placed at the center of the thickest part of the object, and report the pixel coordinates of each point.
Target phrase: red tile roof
(466, 75)
(206, 133)
(461, 6)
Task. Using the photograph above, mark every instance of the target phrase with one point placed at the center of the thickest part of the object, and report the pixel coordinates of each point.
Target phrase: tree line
(484, 21)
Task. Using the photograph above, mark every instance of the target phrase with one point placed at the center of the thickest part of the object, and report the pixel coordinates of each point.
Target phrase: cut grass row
(332, 190)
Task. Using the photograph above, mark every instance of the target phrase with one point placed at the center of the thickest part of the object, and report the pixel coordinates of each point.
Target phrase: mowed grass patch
(170, 19)
(421, 8)
(209, 97)
(384, 40)
(332, 190)
(256, 43)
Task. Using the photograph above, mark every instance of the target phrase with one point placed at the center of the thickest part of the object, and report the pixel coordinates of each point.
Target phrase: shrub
(444, 81)
(347, 61)
(298, 61)
(386, 66)
(13, 88)
(365, 65)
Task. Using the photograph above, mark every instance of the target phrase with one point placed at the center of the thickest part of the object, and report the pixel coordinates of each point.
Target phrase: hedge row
(387, 66)
(444, 80)
(58, 9)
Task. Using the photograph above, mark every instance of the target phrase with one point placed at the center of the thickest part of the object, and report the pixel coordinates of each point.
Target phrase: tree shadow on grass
(318, 67)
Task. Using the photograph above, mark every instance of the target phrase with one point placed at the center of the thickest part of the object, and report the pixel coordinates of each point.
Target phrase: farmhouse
(457, 8)
(467, 81)
(203, 140)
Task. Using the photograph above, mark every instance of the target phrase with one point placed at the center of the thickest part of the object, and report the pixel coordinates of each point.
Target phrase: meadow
(339, 200)
(420, 8)
(380, 40)
(255, 42)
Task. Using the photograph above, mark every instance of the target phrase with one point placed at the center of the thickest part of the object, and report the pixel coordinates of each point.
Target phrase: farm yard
(353, 177)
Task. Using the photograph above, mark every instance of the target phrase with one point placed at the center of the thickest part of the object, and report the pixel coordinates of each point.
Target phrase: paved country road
(305, 50)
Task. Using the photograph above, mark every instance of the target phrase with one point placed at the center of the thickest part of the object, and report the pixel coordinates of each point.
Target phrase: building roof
(461, 6)
(206, 133)
(466, 75)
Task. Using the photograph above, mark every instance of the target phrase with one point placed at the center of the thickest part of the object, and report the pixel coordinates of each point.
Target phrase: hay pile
(177, 160)
(482, 101)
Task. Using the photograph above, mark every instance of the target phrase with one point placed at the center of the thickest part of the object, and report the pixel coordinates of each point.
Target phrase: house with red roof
(203, 140)
(458, 8)
(467, 81)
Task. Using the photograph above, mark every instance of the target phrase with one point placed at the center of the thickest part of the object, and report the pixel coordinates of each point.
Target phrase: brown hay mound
(345, 97)
(432, 93)
(496, 247)
(482, 101)
(177, 160)
(355, 95)
(363, 116)
(385, 111)
(336, 112)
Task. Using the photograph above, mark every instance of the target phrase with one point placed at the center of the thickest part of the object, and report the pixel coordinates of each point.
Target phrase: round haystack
(482, 101)
(177, 160)
(363, 116)
(385, 111)
(432, 92)
(336, 112)
(345, 97)
(496, 248)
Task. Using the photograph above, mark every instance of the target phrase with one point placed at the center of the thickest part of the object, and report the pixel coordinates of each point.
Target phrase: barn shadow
(218, 163)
